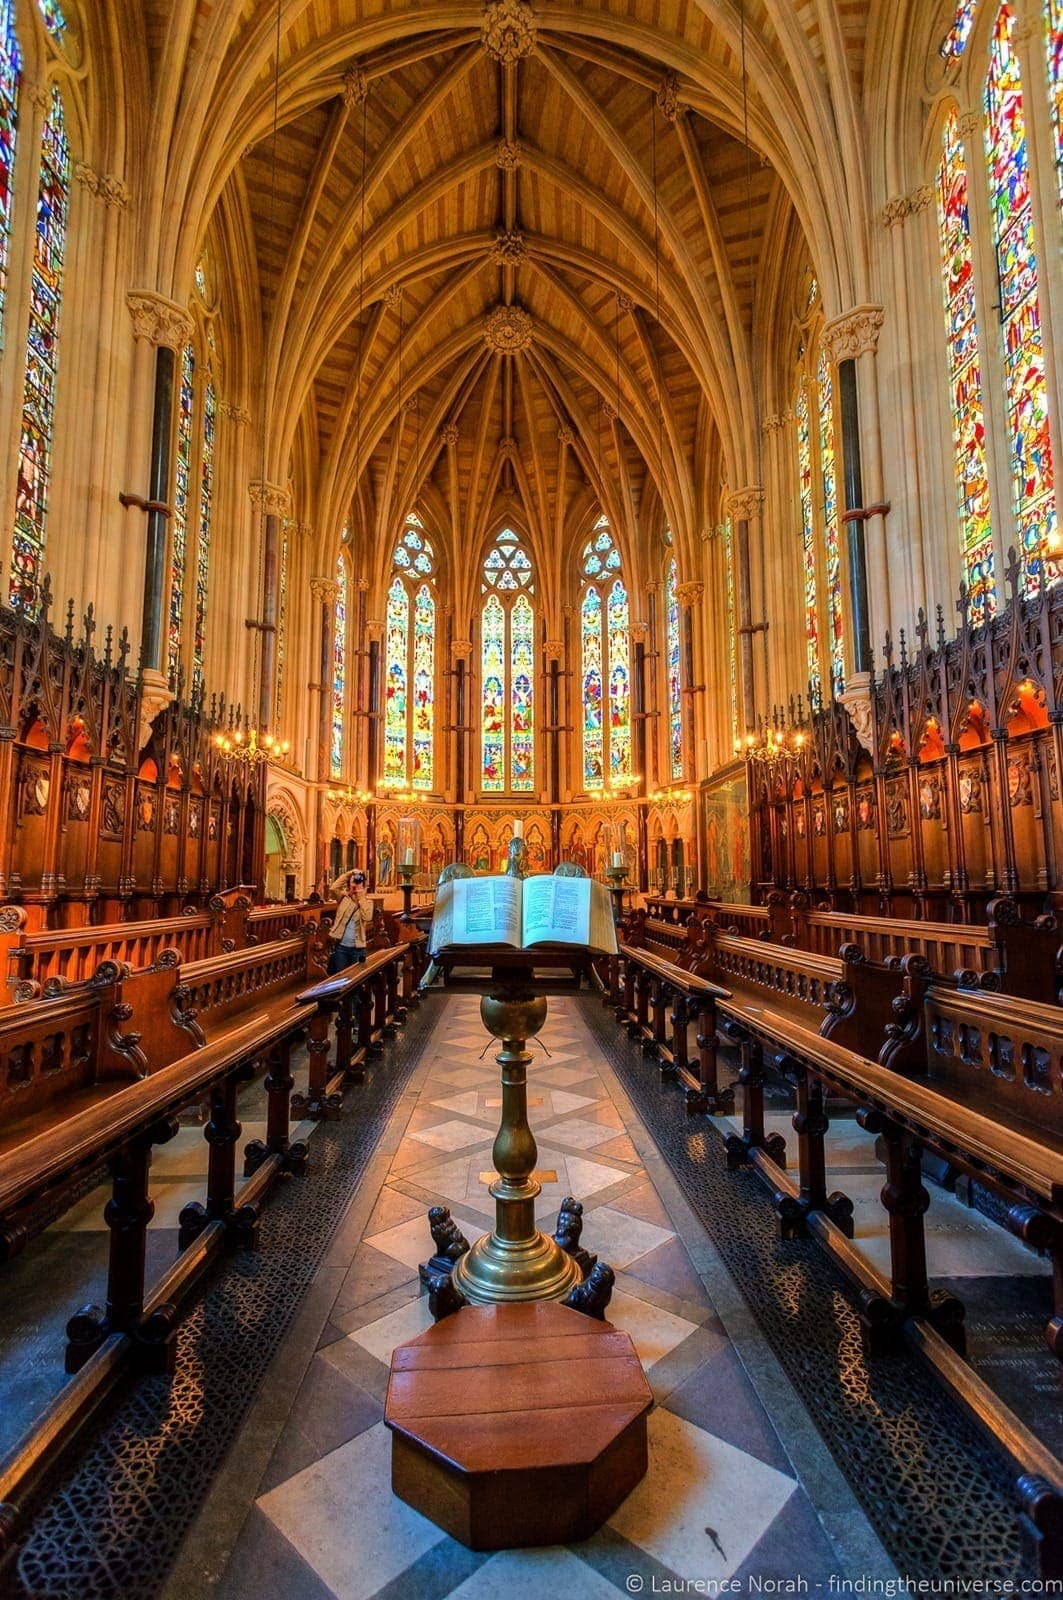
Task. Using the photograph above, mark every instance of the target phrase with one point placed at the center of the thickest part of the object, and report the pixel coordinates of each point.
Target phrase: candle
(618, 858)
(518, 828)
(409, 856)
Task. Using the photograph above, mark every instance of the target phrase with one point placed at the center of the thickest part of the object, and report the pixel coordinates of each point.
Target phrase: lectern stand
(516, 1261)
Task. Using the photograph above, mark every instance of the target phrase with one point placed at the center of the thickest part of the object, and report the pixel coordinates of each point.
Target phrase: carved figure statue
(568, 1232)
(592, 1296)
(447, 1237)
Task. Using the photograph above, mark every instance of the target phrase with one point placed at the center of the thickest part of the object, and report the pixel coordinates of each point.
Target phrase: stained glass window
(507, 668)
(396, 680)
(38, 398)
(1020, 310)
(828, 462)
(424, 627)
(10, 77)
(965, 374)
(409, 662)
(206, 500)
(181, 499)
(606, 634)
(52, 13)
(339, 667)
(731, 610)
(493, 672)
(808, 536)
(593, 732)
(955, 41)
(282, 624)
(522, 696)
(675, 673)
(619, 685)
(1054, 23)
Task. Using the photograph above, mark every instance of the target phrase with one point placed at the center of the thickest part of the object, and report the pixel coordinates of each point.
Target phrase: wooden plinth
(517, 1425)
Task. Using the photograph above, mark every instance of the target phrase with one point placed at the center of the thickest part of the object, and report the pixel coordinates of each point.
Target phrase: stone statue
(568, 1231)
(592, 1296)
(449, 1241)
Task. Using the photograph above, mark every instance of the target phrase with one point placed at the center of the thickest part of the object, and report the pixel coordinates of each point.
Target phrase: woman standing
(350, 929)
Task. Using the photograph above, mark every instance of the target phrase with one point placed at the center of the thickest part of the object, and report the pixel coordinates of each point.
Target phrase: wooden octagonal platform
(517, 1425)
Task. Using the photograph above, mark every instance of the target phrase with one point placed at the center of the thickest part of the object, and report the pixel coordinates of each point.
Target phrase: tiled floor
(728, 1493)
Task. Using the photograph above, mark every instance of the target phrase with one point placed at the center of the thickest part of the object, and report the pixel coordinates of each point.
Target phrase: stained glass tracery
(38, 399)
(606, 673)
(955, 41)
(1054, 25)
(507, 668)
(731, 610)
(53, 18)
(1020, 311)
(339, 667)
(206, 501)
(409, 661)
(675, 673)
(965, 374)
(10, 78)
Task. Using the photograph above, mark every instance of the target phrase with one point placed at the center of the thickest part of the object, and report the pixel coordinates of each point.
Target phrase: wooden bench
(365, 1002)
(650, 988)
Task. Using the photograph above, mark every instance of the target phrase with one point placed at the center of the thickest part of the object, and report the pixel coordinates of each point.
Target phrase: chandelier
(773, 741)
(670, 797)
(348, 796)
(252, 748)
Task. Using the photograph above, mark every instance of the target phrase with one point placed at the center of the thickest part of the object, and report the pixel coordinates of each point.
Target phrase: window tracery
(507, 668)
(817, 494)
(339, 666)
(409, 662)
(606, 647)
(10, 81)
(675, 674)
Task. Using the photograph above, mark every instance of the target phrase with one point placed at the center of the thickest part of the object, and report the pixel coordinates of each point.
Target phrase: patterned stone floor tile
(381, 1337)
(411, 1242)
(704, 1504)
(317, 1510)
(329, 1409)
(452, 1135)
(620, 1239)
(551, 1574)
(264, 1563)
(670, 1267)
(654, 1332)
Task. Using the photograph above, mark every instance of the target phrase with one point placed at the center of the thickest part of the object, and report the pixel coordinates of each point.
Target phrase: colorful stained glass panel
(965, 376)
(339, 668)
(828, 463)
(619, 684)
(955, 41)
(424, 628)
(808, 536)
(1054, 24)
(522, 696)
(1024, 363)
(38, 398)
(732, 622)
(675, 673)
(186, 401)
(206, 500)
(396, 682)
(10, 77)
(52, 14)
(593, 731)
(493, 696)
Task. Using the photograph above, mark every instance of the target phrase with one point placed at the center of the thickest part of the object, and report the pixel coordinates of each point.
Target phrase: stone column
(461, 652)
(271, 502)
(849, 338)
(745, 507)
(160, 329)
(325, 591)
(689, 595)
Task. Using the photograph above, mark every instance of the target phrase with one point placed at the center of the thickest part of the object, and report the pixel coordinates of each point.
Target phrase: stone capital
(325, 590)
(269, 498)
(554, 649)
(668, 97)
(688, 594)
(234, 413)
(745, 505)
(361, 584)
(461, 649)
(374, 627)
(508, 31)
(640, 632)
(777, 422)
(854, 334)
(450, 433)
(158, 320)
(113, 191)
(653, 587)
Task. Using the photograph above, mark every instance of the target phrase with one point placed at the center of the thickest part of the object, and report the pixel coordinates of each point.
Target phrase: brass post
(516, 1261)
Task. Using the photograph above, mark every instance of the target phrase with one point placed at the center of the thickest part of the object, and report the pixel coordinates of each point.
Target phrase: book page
(442, 929)
(603, 926)
(487, 911)
(556, 910)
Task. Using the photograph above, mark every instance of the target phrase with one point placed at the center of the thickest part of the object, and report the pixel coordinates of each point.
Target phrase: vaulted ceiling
(509, 257)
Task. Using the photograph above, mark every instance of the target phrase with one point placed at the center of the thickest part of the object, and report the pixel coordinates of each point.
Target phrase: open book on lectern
(523, 913)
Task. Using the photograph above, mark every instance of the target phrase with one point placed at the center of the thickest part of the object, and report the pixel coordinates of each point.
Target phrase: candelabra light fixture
(620, 788)
(348, 796)
(252, 745)
(773, 741)
(670, 797)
